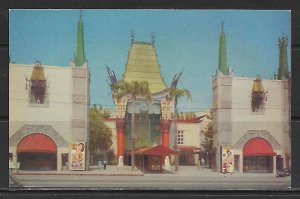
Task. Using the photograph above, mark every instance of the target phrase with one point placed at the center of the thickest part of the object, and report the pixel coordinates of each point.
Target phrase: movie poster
(78, 156)
(227, 160)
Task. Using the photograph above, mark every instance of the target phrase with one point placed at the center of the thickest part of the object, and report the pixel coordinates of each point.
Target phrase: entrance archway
(258, 156)
(37, 152)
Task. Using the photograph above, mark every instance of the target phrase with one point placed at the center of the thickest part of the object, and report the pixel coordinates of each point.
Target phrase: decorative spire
(152, 39)
(132, 37)
(80, 55)
(283, 70)
(222, 25)
(222, 67)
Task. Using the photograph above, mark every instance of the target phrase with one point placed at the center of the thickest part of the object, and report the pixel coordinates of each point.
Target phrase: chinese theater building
(48, 112)
(251, 125)
(153, 120)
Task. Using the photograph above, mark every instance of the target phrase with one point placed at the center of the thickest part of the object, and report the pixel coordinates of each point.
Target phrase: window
(258, 96)
(38, 86)
(258, 101)
(37, 92)
(179, 137)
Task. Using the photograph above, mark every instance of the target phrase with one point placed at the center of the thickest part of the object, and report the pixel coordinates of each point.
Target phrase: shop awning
(258, 147)
(37, 143)
(189, 148)
(157, 150)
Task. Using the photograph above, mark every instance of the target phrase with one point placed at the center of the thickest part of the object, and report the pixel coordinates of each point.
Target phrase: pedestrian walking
(104, 164)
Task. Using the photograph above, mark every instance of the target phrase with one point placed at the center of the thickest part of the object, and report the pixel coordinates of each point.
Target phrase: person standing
(231, 168)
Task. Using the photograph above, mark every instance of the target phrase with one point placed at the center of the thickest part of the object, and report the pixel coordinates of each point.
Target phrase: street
(187, 179)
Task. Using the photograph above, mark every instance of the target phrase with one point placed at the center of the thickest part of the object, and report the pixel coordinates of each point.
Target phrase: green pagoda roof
(142, 65)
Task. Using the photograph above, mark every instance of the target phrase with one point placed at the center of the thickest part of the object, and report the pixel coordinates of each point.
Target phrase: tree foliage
(132, 90)
(207, 143)
(176, 92)
(100, 134)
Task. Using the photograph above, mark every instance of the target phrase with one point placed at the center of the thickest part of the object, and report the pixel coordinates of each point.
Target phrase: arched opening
(258, 156)
(37, 152)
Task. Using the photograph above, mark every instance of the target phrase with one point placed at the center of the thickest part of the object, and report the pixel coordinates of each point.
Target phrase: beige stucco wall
(242, 117)
(191, 133)
(58, 113)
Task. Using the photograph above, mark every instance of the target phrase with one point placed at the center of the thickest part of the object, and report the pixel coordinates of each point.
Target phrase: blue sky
(185, 40)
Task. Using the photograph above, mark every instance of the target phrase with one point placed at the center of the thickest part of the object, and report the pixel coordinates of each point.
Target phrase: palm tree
(174, 93)
(133, 90)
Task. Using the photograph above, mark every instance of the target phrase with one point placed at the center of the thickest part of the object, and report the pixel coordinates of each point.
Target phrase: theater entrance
(258, 156)
(37, 152)
(258, 164)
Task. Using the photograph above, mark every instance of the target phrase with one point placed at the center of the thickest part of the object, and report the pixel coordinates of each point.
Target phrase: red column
(165, 130)
(120, 124)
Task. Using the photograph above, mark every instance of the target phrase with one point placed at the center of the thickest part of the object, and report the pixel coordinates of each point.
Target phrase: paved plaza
(187, 178)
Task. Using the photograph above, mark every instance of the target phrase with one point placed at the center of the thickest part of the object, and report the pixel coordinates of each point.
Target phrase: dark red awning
(258, 147)
(37, 143)
(192, 120)
(157, 150)
(188, 148)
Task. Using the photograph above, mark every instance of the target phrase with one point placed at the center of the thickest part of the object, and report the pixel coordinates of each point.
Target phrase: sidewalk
(206, 172)
(111, 170)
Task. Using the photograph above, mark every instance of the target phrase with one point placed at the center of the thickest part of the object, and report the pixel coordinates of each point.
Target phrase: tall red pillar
(165, 131)
(120, 124)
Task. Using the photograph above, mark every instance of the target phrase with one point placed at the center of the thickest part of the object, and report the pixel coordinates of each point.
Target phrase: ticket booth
(152, 159)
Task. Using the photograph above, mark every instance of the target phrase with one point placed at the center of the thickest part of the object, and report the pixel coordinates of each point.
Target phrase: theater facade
(48, 113)
(251, 126)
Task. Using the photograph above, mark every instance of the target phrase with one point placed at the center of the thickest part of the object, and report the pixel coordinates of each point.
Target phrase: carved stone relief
(79, 73)
(44, 129)
(79, 99)
(257, 133)
(226, 81)
(166, 109)
(121, 108)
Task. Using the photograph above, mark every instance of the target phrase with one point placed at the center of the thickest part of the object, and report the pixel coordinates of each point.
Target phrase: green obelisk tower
(80, 56)
(222, 67)
(283, 70)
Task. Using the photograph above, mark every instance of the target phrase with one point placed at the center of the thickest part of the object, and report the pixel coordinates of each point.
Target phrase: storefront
(188, 155)
(37, 152)
(258, 156)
